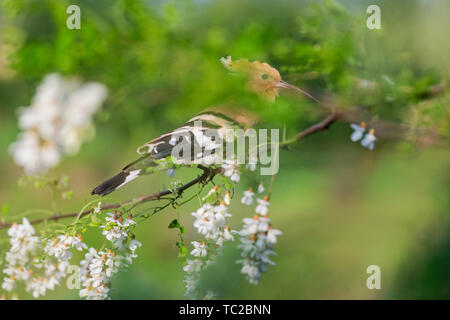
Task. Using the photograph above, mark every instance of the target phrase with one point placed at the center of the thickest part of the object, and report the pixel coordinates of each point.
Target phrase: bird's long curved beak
(285, 85)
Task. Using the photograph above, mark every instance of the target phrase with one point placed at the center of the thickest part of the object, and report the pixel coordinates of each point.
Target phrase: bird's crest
(261, 77)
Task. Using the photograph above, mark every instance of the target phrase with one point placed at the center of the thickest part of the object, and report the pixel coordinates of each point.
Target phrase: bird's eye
(265, 76)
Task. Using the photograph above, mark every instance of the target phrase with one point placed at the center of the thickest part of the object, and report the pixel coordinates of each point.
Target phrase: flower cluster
(19, 258)
(54, 269)
(231, 170)
(369, 139)
(192, 278)
(48, 271)
(210, 222)
(116, 229)
(23, 264)
(99, 267)
(257, 240)
(247, 197)
(97, 270)
(56, 123)
(60, 246)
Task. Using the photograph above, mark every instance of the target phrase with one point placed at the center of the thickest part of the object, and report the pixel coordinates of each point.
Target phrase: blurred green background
(341, 207)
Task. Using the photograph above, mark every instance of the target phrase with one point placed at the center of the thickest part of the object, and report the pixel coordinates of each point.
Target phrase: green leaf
(174, 224)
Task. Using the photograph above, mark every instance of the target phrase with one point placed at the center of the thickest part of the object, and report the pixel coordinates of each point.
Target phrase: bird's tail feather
(115, 182)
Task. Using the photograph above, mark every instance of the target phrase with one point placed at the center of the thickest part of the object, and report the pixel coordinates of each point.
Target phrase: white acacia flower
(250, 270)
(52, 282)
(264, 224)
(261, 187)
(95, 293)
(37, 286)
(98, 268)
(227, 198)
(221, 213)
(210, 295)
(369, 140)
(191, 281)
(358, 131)
(210, 193)
(193, 266)
(17, 272)
(98, 209)
(33, 155)
(127, 222)
(112, 218)
(257, 239)
(247, 198)
(272, 235)
(116, 229)
(203, 219)
(231, 169)
(112, 264)
(134, 244)
(59, 249)
(9, 283)
(250, 226)
(56, 123)
(203, 226)
(72, 242)
(21, 230)
(170, 172)
(200, 249)
(87, 292)
(96, 265)
(262, 207)
(115, 234)
(227, 233)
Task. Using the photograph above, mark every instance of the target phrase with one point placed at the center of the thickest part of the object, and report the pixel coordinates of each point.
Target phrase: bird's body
(154, 152)
(261, 78)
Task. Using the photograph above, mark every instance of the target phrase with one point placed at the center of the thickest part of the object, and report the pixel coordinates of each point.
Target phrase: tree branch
(382, 128)
(320, 126)
(207, 175)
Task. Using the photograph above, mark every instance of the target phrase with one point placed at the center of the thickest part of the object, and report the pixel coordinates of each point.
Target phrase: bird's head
(261, 78)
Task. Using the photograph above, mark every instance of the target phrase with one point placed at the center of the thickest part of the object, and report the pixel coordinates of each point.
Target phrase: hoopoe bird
(260, 78)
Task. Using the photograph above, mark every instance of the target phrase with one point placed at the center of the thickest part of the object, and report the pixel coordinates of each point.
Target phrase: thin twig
(207, 174)
(272, 179)
(320, 126)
